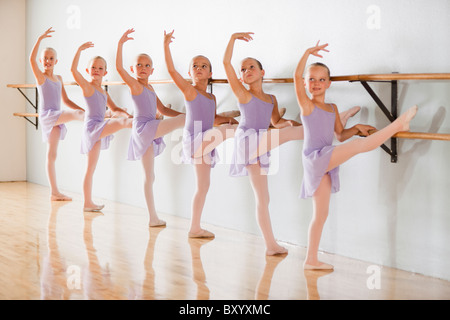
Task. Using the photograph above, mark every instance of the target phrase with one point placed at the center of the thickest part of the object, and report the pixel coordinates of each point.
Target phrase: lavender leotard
(317, 149)
(144, 126)
(255, 120)
(50, 107)
(200, 114)
(94, 122)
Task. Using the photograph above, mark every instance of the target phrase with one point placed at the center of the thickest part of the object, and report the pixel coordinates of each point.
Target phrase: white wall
(12, 57)
(389, 214)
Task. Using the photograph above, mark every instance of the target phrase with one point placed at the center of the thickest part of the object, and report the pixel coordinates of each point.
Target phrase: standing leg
(321, 202)
(202, 173)
(92, 159)
(261, 191)
(148, 161)
(52, 149)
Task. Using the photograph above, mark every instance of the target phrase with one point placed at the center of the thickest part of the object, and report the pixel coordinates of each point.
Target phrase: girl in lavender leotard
(198, 145)
(258, 110)
(146, 140)
(320, 158)
(97, 132)
(51, 117)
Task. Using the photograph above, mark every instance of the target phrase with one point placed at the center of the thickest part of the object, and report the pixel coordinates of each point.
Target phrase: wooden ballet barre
(393, 77)
(416, 135)
(360, 77)
(402, 135)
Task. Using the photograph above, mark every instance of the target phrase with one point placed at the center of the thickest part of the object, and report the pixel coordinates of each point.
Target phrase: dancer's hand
(246, 36)
(125, 37)
(85, 46)
(47, 34)
(168, 37)
(315, 50)
(364, 129)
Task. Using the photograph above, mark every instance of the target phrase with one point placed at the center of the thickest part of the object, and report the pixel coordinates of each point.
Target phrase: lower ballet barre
(402, 135)
(364, 79)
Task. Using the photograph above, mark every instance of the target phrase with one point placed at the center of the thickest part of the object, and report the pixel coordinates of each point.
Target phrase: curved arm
(236, 85)
(164, 110)
(305, 103)
(277, 121)
(186, 88)
(65, 97)
(114, 108)
(79, 79)
(38, 74)
(343, 134)
(132, 83)
(220, 119)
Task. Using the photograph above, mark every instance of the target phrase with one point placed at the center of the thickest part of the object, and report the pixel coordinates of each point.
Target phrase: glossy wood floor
(54, 251)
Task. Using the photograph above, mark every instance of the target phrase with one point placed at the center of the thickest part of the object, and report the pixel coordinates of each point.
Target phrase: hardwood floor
(52, 250)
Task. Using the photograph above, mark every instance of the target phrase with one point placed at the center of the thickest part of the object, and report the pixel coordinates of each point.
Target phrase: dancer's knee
(51, 155)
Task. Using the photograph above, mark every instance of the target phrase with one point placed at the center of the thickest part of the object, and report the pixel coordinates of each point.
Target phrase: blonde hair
(144, 55)
(98, 58)
(49, 49)
(200, 56)
(320, 64)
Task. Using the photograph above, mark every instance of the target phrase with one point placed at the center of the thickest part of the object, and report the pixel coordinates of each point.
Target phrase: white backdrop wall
(389, 214)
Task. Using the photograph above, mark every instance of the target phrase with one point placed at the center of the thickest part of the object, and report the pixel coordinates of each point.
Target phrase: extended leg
(168, 125)
(345, 151)
(214, 138)
(274, 138)
(114, 125)
(70, 115)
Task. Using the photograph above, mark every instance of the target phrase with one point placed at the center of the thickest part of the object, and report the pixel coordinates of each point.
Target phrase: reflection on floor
(51, 250)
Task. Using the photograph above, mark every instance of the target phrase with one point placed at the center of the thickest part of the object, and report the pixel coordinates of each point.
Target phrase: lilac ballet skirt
(94, 122)
(255, 121)
(200, 115)
(317, 149)
(144, 126)
(50, 108)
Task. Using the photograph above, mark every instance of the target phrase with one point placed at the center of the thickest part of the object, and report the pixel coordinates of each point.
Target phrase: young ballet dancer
(97, 132)
(146, 140)
(321, 159)
(198, 142)
(258, 110)
(50, 92)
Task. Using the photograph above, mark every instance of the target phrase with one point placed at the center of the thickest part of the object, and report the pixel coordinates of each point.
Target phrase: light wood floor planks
(52, 250)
